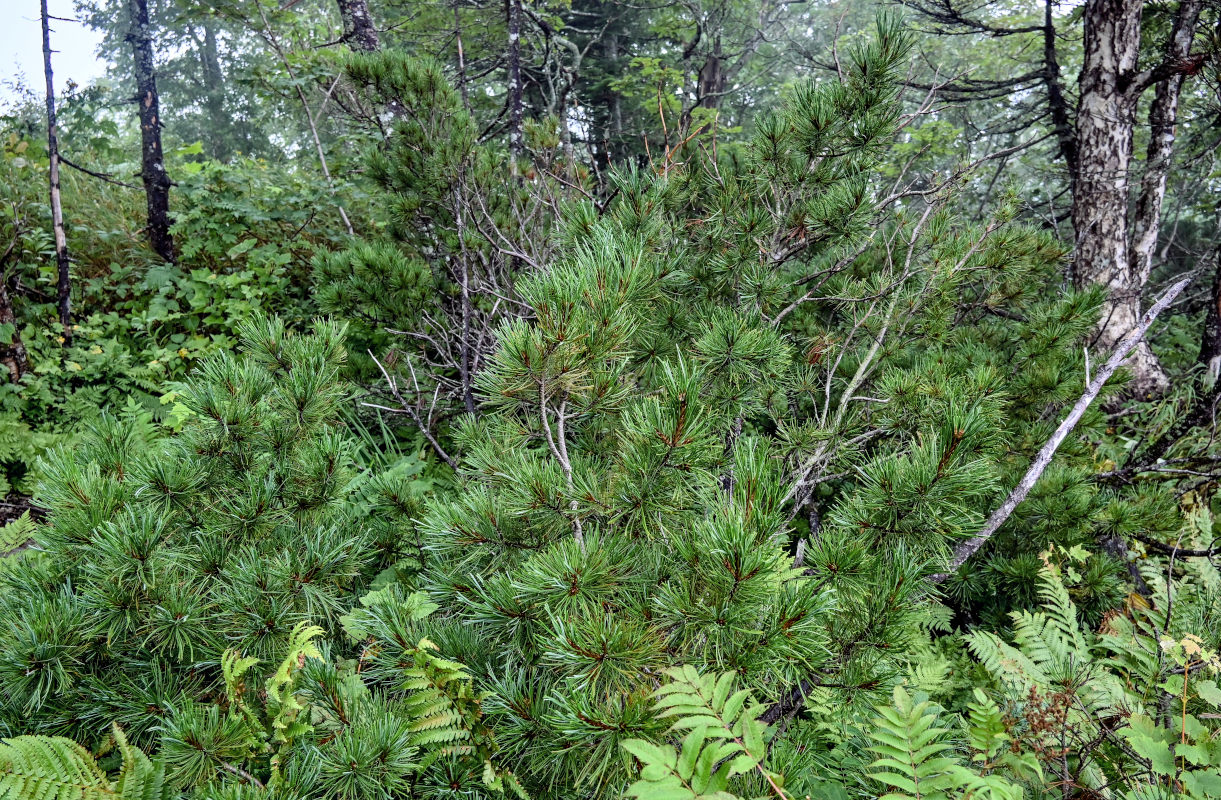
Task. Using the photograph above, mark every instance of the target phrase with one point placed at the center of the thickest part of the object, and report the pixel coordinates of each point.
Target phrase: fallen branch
(1175, 550)
(968, 548)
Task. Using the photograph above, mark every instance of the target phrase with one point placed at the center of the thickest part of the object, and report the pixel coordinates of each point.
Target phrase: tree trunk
(1057, 103)
(358, 30)
(711, 86)
(1105, 120)
(152, 160)
(214, 95)
(513, 26)
(62, 261)
(611, 54)
(1163, 113)
(12, 354)
(462, 88)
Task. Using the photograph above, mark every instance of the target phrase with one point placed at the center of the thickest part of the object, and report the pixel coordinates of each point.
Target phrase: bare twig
(409, 410)
(241, 773)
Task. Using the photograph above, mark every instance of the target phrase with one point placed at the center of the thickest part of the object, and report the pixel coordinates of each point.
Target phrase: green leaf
(241, 247)
(1208, 692)
(1156, 750)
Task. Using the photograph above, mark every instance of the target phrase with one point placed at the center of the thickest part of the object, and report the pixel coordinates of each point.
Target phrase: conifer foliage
(711, 436)
(676, 396)
(162, 552)
(175, 589)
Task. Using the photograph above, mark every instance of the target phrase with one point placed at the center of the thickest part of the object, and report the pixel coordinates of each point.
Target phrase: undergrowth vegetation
(494, 474)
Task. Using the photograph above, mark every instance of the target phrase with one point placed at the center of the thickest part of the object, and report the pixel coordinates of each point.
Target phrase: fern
(139, 778)
(991, 744)
(911, 750)
(49, 768)
(20, 448)
(986, 731)
(725, 738)
(280, 696)
(1051, 650)
(55, 768)
(16, 534)
(447, 717)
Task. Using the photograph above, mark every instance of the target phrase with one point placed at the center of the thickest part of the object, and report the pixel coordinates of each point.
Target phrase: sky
(21, 46)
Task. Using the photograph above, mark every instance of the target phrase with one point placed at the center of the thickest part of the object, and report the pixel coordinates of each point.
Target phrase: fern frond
(910, 750)
(725, 738)
(55, 768)
(50, 768)
(17, 533)
(447, 717)
(139, 778)
(1003, 661)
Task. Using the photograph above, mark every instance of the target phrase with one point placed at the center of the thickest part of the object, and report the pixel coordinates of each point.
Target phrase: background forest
(607, 398)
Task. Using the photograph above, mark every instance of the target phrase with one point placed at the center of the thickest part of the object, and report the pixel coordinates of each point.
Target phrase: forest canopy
(718, 399)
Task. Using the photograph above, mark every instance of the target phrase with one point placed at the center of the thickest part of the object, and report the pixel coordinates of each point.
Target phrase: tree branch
(968, 548)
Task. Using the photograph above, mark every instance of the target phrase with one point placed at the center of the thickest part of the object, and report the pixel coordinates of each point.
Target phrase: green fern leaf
(50, 768)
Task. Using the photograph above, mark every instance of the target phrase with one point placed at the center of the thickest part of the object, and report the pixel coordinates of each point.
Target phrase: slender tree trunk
(462, 88)
(358, 30)
(62, 261)
(214, 94)
(1146, 223)
(615, 137)
(466, 351)
(513, 24)
(13, 354)
(152, 160)
(1061, 119)
(1105, 121)
(273, 40)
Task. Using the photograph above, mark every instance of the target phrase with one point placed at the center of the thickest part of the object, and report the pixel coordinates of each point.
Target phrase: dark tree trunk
(214, 95)
(462, 88)
(12, 354)
(513, 26)
(1057, 103)
(712, 78)
(62, 260)
(358, 30)
(1105, 121)
(152, 160)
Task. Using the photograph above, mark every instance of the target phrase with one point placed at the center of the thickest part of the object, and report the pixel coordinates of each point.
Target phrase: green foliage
(716, 417)
(725, 739)
(16, 533)
(249, 523)
(54, 768)
(916, 758)
(138, 325)
(1087, 701)
(20, 448)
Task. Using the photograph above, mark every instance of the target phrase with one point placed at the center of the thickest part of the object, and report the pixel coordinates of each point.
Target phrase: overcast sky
(21, 46)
